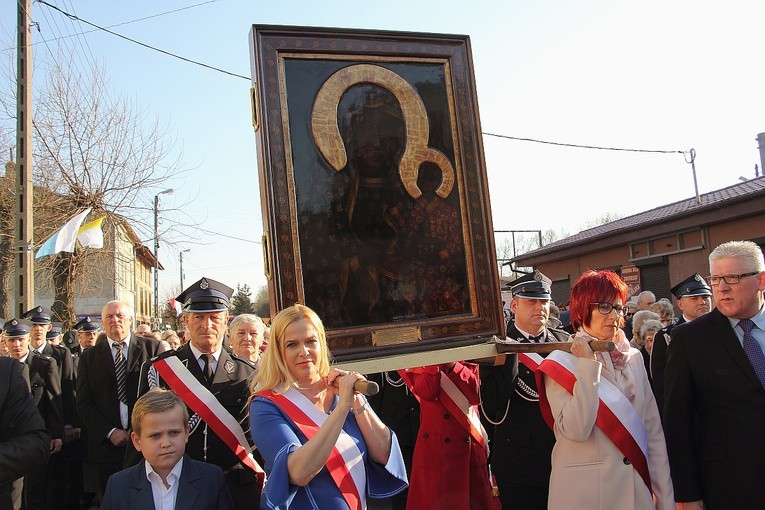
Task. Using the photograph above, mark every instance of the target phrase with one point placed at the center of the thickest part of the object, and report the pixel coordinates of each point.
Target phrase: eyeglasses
(730, 279)
(605, 308)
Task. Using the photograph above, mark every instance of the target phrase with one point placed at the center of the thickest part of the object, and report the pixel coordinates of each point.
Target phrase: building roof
(724, 197)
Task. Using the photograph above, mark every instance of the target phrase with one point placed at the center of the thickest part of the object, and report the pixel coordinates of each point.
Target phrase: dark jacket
(97, 401)
(714, 416)
(24, 440)
(45, 385)
(65, 366)
(200, 487)
(230, 386)
(658, 362)
(522, 442)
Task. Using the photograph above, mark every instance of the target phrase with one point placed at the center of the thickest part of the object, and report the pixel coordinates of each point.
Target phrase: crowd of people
(643, 409)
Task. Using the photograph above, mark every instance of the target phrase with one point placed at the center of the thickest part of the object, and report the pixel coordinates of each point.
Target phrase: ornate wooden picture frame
(373, 183)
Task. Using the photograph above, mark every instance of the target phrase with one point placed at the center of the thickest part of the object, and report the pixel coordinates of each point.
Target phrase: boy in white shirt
(166, 479)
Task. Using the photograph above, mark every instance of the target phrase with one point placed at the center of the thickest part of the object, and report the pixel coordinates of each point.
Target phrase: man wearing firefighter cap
(520, 457)
(226, 376)
(694, 299)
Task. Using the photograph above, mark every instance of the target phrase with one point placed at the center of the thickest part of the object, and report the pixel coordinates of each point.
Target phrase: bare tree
(92, 149)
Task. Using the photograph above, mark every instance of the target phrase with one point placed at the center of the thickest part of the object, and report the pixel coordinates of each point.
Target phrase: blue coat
(201, 487)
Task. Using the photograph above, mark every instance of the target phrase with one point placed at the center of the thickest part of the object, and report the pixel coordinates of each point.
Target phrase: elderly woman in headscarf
(610, 450)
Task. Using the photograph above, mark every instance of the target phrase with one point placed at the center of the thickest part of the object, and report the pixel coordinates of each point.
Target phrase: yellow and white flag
(90, 235)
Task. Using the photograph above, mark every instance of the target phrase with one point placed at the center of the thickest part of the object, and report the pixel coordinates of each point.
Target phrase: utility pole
(25, 281)
(181, 264)
(157, 314)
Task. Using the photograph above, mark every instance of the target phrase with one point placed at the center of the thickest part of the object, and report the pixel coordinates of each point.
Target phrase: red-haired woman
(610, 450)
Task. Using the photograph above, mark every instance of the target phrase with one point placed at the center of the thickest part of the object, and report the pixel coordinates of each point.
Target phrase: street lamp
(181, 260)
(156, 252)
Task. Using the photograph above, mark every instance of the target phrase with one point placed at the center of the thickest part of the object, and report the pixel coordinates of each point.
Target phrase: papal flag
(64, 239)
(90, 235)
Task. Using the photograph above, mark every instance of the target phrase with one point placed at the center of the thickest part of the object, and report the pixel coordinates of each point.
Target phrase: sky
(651, 75)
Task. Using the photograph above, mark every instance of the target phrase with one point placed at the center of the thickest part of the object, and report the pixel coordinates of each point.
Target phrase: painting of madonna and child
(381, 210)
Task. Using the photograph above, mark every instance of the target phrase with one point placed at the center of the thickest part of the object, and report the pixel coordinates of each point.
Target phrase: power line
(655, 151)
(227, 236)
(508, 137)
(162, 14)
(179, 57)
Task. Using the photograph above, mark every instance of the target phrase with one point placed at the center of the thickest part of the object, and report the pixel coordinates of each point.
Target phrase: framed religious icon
(373, 183)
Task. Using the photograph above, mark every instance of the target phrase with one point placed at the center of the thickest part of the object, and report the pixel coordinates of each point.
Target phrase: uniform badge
(185, 363)
(228, 366)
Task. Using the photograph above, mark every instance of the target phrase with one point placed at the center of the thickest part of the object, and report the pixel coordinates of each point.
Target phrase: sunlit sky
(656, 75)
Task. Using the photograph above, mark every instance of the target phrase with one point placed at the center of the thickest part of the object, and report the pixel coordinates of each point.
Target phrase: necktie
(120, 368)
(753, 351)
(537, 339)
(207, 367)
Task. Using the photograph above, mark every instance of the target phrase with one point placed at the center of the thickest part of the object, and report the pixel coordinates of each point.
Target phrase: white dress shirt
(164, 496)
(213, 363)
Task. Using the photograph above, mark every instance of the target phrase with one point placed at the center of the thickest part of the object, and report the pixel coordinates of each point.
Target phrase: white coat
(588, 470)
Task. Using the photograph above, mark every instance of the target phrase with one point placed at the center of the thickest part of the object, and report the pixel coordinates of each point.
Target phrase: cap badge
(228, 366)
(537, 276)
(39, 309)
(698, 278)
(203, 284)
(14, 322)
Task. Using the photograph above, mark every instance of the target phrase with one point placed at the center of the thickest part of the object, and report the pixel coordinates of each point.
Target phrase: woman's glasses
(605, 308)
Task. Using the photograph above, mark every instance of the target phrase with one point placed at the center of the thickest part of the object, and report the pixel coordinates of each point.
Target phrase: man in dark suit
(714, 395)
(107, 387)
(45, 386)
(85, 482)
(225, 375)
(41, 319)
(59, 464)
(522, 443)
(24, 440)
(694, 299)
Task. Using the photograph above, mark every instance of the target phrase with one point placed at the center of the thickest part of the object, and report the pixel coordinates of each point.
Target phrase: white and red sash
(203, 402)
(458, 406)
(531, 360)
(617, 418)
(345, 463)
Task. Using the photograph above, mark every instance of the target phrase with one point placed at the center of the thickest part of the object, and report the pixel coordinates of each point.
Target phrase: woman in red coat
(449, 468)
